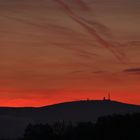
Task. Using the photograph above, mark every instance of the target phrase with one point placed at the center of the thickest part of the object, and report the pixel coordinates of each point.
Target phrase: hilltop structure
(107, 99)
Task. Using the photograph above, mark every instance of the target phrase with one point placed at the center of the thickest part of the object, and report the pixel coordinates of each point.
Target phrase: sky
(55, 51)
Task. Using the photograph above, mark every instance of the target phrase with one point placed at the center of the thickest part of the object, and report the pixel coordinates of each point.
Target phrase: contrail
(90, 30)
(82, 4)
(98, 25)
(79, 20)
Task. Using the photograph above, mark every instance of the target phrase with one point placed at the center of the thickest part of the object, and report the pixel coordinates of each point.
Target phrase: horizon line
(71, 101)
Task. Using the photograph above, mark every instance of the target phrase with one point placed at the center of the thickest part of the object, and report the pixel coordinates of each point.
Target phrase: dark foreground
(115, 127)
(14, 121)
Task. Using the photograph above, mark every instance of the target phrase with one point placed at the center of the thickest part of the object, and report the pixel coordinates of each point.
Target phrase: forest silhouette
(115, 127)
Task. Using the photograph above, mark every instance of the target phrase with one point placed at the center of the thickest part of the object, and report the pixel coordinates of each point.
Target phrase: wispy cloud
(90, 30)
(132, 70)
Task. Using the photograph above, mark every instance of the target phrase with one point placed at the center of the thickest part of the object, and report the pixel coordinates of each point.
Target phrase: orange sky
(63, 50)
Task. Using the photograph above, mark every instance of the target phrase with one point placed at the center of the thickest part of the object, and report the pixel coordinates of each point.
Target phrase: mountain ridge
(67, 102)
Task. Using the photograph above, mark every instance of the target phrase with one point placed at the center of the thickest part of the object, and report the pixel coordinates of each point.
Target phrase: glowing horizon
(43, 101)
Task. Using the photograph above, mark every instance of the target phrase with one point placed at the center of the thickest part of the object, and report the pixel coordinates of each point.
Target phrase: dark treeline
(116, 127)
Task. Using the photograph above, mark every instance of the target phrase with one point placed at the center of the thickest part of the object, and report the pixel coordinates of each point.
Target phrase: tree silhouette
(116, 127)
(39, 132)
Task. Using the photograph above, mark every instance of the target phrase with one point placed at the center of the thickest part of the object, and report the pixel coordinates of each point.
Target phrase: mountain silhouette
(14, 120)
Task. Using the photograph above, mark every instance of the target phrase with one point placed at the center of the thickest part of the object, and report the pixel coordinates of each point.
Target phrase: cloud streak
(90, 30)
(82, 4)
(132, 71)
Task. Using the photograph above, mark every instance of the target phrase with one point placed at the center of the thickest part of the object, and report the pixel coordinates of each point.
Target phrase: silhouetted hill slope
(84, 110)
(15, 120)
(71, 111)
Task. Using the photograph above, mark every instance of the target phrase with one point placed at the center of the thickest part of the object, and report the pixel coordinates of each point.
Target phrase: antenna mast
(109, 98)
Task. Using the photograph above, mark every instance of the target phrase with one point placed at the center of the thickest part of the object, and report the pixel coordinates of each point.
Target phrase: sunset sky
(54, 51)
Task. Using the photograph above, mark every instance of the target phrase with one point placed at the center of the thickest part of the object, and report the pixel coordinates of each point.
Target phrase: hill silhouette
(14, 120)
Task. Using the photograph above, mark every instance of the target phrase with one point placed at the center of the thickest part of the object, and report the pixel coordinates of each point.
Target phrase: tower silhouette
(109, 98)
